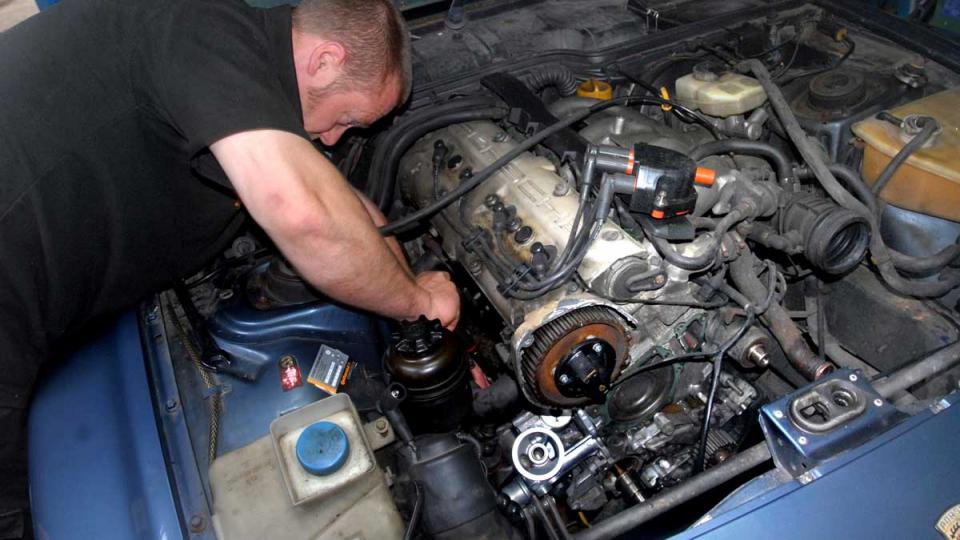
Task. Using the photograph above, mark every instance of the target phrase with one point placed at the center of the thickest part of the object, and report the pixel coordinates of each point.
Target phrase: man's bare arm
(323, 228)
(379, 220)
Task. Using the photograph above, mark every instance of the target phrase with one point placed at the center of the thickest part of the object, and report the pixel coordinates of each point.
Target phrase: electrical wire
(414, 522)
(481, 176)
(711, 398)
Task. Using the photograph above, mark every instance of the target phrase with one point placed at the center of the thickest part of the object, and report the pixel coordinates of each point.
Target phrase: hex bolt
(853, 377)
(197, 523)
(500, 136)
(878, 402)
(597, 348)
(382, 426)
(802, 440)
(778, 414)
(564, 379)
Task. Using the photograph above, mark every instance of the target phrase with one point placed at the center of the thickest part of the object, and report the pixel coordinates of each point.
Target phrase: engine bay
(676, 242)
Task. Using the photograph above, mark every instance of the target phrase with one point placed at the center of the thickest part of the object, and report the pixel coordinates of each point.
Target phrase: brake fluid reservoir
(314, 476)
(929, 180)
(719, 93)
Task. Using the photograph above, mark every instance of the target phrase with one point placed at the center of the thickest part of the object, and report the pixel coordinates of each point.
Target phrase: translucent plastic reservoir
(929, 181)
(721, 95)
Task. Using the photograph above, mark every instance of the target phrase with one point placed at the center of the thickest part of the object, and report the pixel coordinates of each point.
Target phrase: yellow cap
(592, 88)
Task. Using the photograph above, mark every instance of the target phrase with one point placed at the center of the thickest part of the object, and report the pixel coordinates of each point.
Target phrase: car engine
(655, 244)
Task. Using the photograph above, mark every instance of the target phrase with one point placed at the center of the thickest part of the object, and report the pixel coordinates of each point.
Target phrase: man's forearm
(379, 220)
(319, 224)
(344, 256)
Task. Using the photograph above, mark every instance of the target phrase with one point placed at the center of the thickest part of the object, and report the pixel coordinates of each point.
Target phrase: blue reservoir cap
(322, 448)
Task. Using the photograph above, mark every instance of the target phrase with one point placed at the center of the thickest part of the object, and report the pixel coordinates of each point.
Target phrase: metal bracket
(824, 419)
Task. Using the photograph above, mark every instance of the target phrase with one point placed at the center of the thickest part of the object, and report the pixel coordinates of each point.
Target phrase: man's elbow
(313, 223)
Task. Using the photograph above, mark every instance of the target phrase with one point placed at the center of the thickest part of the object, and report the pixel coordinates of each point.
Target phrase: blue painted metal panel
(96, 465)
(261, 338)
(895, 486)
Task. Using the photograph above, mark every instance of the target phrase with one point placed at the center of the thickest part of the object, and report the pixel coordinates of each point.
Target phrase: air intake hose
(835, 239)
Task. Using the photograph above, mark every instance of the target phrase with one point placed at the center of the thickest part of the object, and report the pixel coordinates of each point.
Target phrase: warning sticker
(330, 369)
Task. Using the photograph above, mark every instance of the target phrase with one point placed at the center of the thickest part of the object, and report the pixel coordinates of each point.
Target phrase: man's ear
(326, 63)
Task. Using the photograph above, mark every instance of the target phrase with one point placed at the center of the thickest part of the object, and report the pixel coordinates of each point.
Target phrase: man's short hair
(372, 32)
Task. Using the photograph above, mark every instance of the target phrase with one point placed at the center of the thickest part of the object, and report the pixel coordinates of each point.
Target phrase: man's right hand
(443, 300)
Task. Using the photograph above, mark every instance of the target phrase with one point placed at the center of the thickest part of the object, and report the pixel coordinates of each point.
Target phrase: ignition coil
(660, 181)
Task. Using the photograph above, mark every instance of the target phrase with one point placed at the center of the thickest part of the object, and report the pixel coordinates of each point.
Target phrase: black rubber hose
(915, 265)
(383, 166)
(481, 176)
(779, 159)
(851, 181)
(558, 77)
(411, 134)
(812, 156)
(930, 126)
(699, 262)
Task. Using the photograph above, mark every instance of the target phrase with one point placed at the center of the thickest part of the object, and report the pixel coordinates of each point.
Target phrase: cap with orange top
(592, 88)
(661, 182)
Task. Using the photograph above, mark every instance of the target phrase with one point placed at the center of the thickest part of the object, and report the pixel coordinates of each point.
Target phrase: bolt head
(196, 523)
(597, 348)
(564, 379)
(171, 405)
(878, 402)
(802, 440)
(778, 414)
(853, 377)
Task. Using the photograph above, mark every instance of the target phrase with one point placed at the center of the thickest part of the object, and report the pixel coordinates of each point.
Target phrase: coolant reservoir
(929, 181)
(314, 476)
(719, 93)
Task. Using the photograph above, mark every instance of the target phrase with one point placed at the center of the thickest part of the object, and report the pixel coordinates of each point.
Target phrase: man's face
(327, 115)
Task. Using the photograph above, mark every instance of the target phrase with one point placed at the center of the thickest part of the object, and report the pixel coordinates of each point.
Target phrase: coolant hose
(751, 148)
(695, 263)
(777, 319)
(381, 181)
(813, 158)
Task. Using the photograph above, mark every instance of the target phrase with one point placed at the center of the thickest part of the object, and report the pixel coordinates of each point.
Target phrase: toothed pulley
(574, 358)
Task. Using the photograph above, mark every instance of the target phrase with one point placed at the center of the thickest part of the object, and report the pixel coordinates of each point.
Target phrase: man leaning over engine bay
(129, 129)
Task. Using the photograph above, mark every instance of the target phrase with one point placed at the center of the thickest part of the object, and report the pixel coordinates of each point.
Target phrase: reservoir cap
(322, 448)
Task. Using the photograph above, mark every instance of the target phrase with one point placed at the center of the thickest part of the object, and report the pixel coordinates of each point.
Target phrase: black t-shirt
(107, 189)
